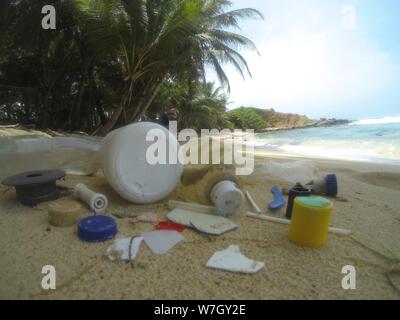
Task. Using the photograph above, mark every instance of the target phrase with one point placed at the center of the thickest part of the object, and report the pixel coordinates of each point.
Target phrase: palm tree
(159, 39)
(207, 109)
(107, 59)
(52, 77)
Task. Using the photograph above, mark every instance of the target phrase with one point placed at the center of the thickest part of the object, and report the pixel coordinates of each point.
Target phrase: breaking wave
(386, 120)
(377, 142)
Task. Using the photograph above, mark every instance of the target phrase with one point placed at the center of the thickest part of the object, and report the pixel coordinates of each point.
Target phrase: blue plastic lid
(97, 229)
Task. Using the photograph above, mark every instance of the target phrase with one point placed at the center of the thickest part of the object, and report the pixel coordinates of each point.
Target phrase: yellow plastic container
(310, 221)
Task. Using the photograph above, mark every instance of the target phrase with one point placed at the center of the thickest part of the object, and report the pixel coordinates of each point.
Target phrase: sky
(321, 58)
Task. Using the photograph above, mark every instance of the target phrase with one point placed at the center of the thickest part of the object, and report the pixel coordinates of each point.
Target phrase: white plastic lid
(126, 167)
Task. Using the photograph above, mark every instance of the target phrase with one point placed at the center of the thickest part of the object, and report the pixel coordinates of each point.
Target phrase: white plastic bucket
(227, 196)
(127, 169)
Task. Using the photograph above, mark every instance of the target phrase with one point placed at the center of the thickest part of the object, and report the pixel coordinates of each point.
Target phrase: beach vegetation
(247, 118)
(109, 63)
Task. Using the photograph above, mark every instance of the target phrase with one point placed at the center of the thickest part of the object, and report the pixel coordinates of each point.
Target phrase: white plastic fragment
(160, 242)
(172, 204)
(233, 260)
(209, 224)
(124, 249)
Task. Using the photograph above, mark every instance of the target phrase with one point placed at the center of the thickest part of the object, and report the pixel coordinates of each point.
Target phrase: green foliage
(199, 106)
(53, 78)
(247, 118)
(108, 60)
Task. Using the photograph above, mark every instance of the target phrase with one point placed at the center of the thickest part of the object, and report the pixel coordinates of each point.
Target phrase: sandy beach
(369, 205)
(119, 101)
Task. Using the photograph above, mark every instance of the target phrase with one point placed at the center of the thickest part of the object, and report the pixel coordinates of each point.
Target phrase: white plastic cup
(227, 197)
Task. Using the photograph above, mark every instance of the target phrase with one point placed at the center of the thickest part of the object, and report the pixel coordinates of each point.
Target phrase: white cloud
(349, 17)
(315, 61)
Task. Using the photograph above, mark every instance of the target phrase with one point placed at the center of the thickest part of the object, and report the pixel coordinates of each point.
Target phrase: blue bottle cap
(97, 229)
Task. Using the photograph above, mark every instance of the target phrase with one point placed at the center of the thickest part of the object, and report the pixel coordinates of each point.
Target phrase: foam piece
(65, 213)
(232, 260)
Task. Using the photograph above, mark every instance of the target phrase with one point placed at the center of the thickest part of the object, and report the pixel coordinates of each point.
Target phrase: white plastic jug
(127, 169)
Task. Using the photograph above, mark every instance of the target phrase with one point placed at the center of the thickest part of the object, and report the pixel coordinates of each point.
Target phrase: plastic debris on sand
(124, 249)
(232, 260)
(170, 226)
(209, 224)
(160, 242)
(292, 172)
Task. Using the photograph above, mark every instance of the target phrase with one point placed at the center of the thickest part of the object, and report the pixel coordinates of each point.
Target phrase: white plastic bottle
(77, 155)
(127, 167)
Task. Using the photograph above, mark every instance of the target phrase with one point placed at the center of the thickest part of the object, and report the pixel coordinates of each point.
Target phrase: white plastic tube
(96, 201)
(337, 231)
(227, 197)
(253, 203)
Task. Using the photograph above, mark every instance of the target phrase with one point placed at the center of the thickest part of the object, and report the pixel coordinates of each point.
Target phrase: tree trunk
(114, 118)
(101, 112)
(150, 100)
(145, 102)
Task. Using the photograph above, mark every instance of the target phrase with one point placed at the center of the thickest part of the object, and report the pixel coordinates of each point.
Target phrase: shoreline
(388, 166)
(315, 124)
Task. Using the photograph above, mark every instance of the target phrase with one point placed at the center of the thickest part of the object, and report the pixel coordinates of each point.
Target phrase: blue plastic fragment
(278, 202)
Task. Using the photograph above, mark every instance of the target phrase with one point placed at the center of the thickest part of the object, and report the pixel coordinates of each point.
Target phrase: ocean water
(375, 140)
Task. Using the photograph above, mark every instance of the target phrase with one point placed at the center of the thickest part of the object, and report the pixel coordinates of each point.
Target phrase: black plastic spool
(35, 187)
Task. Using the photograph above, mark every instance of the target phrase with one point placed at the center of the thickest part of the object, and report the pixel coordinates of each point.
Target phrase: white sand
(372, 211)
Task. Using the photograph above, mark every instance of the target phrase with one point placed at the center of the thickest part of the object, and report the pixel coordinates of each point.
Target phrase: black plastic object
(297, 191)
(35, 187)
(331, 185)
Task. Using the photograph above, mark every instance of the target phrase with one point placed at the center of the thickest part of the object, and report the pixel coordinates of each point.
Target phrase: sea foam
(386, 120)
